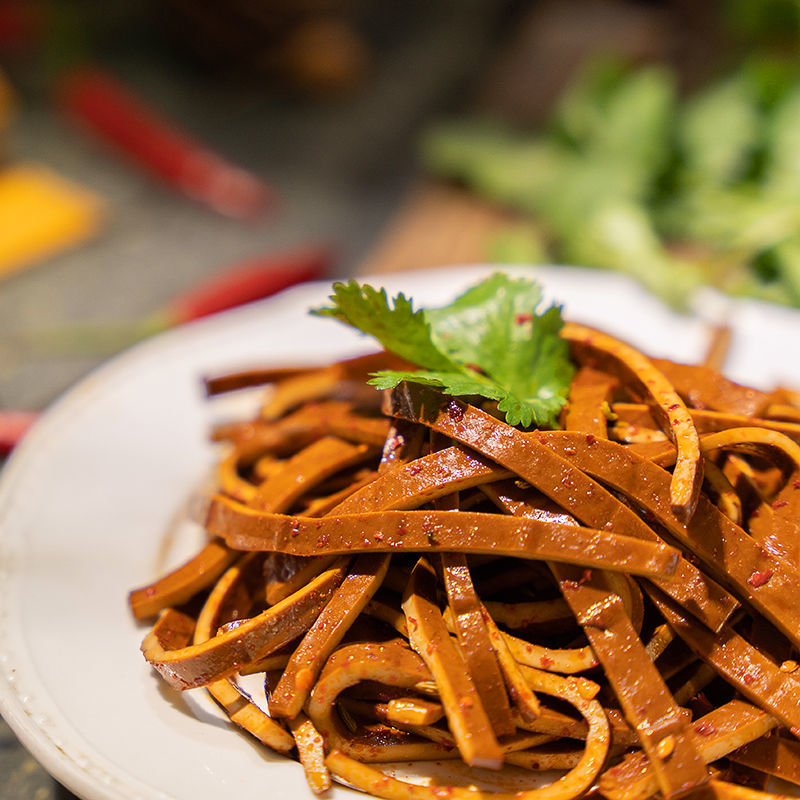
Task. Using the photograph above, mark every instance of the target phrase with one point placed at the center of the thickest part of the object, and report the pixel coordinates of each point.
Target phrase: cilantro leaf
(458, 384)
(494, 326)
(480, 325)
(401, 330)
(537, 372)
(490, 341)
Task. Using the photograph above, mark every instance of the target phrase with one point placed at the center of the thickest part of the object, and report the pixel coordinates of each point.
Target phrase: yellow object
(41, 214)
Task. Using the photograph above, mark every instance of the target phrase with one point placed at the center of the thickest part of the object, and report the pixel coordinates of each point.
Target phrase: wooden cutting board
(436, 225)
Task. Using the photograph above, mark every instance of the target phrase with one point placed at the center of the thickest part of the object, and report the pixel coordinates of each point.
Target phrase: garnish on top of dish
(536, 547)
(490, 342)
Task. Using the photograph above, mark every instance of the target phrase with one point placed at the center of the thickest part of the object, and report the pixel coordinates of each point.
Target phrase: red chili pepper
(13, 426)
(250, 280)
(100, 102)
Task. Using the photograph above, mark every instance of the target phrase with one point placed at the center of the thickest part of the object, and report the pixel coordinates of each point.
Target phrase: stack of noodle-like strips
(417, 580)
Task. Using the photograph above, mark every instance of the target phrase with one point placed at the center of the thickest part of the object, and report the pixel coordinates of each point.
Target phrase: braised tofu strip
(590, 395)
(715, 735)
(246, 528)
(416, 580)
(655, 389)
(532, 457)
(642, 693)
(475, 642)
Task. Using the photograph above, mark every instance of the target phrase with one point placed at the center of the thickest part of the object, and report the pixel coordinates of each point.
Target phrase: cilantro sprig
(491, 341)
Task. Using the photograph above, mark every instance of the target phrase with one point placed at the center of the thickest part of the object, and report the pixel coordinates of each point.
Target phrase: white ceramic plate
(87, 498)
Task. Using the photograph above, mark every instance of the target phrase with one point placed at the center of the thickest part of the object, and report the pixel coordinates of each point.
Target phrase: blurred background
(162, 161)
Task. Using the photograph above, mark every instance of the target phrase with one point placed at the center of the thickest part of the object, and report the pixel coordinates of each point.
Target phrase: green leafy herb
(491, 342)
(676, 190)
